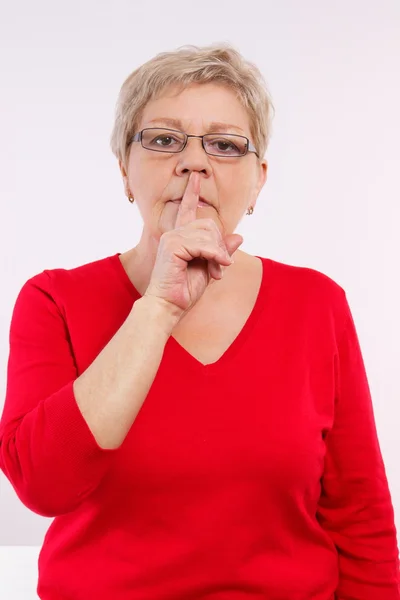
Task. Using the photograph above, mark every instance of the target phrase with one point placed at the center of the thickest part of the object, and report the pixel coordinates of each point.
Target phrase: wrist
(159, 311)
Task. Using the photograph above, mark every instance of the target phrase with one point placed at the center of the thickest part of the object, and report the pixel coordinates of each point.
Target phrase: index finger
(187, 212)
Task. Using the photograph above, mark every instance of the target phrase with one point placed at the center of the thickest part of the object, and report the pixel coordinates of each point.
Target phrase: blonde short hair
(217, 63)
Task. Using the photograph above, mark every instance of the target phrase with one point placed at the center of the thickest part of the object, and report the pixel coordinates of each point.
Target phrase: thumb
(232, 242)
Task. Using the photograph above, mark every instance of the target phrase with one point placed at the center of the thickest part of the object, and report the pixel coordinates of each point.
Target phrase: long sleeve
(47, 450)
(355, 505)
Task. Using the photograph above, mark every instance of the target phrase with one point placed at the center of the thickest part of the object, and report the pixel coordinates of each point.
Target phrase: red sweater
(259, 476)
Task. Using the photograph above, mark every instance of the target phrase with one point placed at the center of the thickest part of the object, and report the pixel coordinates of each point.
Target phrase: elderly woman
(198, 420)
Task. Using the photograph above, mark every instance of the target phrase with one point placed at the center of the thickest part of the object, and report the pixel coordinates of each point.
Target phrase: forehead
(199, 106)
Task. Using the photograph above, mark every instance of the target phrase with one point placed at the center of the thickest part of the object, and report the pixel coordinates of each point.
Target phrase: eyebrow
(215, 126)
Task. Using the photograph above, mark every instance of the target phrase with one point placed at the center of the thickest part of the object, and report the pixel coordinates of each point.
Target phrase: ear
(263, 174)
(261, 179)
(124, 177)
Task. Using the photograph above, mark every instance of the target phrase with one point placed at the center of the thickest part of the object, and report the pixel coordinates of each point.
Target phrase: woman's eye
(224, 146)
(164, 140)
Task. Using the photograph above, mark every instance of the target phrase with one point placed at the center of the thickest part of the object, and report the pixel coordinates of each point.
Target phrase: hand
(190, 255)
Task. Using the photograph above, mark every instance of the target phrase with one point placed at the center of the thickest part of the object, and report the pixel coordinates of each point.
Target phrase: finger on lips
(187, 210)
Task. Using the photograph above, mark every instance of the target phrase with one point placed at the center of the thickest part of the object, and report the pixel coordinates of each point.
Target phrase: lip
(202, 201)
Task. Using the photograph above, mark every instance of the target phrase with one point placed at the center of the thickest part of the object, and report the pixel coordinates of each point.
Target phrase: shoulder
(57, 284)
(308, 291)
(303, 278)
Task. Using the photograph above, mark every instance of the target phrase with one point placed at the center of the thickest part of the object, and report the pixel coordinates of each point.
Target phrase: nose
(193, 158)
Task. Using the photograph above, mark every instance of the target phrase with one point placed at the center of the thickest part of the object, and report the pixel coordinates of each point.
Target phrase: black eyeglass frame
(137, 137)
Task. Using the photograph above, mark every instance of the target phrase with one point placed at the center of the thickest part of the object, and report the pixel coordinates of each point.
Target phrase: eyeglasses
(173, 141)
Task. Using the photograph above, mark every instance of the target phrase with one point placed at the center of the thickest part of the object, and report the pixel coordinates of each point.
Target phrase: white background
(331, 202)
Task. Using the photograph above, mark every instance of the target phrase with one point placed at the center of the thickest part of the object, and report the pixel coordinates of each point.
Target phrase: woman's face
(231, 185)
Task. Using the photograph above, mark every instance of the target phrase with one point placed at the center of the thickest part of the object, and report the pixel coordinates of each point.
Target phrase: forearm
(113, 388)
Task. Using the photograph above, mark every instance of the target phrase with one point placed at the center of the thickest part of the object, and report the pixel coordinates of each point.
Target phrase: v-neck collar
(193, 363)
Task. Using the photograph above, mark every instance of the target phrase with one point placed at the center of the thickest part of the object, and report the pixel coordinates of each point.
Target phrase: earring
(131, 198)
(250, 211)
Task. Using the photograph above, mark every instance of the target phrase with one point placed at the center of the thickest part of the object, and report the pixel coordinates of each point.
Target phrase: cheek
(237, 182)
(149, 182)
(238, 192)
